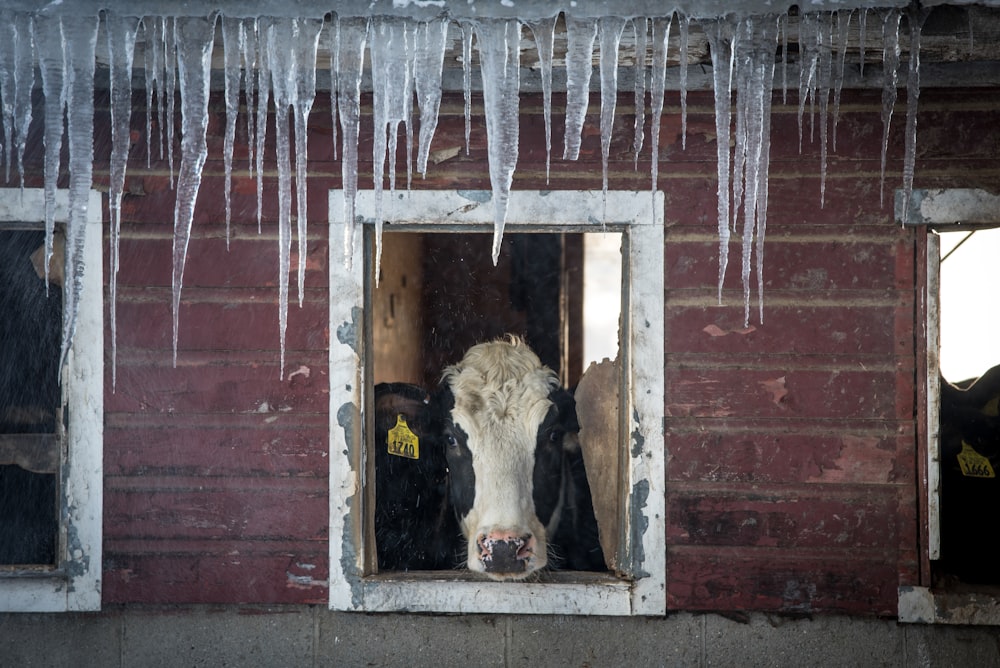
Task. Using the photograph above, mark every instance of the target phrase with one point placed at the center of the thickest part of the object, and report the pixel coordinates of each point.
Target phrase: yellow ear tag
(973, 464)
(402, 441)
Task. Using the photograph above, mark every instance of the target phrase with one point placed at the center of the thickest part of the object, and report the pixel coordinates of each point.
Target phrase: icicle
(467, 31)
(16, 79)
(754, 103)
(427, 66)
(194, 36)
(610, 33)
(276, 41)
(291, 46)
(121, 33)
(407, 117)
(685, 24)
(249, 40)
(766, 62)
(8, 42)
(580, 36)
(151, 72)
(232, 45)
(24, 81)
(153, 54)
(809, 62)
(823, 85)
(742, 59)
(544, 32)
(661, 37)
(720, 33)
(916, 17)
(843, 30)
(79, 47)
(333, 48)
(353, 34)
(641, 27)
(392, 86)
(890, 64)
(306, 45)
(500, 61)
(862, 21)
(263, 97)
(170, 67)
(783, 26)
(48, 37)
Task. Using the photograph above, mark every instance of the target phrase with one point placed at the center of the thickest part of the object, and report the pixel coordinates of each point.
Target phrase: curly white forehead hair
(499, 380)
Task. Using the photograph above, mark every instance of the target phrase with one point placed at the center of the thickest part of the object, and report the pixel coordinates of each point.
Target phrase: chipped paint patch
(715, 330)
(347, 333)
(638, 523)
(776, 387)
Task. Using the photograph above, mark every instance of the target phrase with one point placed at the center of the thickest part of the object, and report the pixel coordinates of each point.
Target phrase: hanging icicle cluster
(272, 61)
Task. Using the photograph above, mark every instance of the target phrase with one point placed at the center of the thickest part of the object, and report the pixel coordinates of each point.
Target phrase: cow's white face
(504, 454)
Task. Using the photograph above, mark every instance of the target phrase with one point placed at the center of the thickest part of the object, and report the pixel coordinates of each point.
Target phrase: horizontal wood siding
(791, 444)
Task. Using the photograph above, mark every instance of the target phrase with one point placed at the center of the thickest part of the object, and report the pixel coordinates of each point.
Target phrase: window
(962, 424)
(51, 426)
(558, 219)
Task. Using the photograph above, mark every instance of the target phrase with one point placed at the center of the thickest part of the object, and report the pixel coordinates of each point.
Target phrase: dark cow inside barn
(503, 433)
(415, 528)
(970, 486)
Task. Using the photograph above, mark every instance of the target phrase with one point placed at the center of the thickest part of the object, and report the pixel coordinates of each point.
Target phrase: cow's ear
(395, 399)
(563, 400)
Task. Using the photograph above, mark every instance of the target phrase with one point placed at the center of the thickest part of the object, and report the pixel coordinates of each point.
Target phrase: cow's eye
(555, 436)
(451, 440)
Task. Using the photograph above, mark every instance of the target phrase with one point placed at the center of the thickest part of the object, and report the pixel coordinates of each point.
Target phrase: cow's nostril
(527, 547)
(505, 552)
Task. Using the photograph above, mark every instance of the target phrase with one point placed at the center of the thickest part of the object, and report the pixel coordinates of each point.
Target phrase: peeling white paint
(76, 584)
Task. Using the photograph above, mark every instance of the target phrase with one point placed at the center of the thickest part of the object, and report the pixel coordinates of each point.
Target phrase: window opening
(30, 402)
(438, 295)
(415, 323)
(970, 399)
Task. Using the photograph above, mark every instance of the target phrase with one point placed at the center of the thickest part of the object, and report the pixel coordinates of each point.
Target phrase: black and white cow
(970, 476)
(508, 430)
(415, 528)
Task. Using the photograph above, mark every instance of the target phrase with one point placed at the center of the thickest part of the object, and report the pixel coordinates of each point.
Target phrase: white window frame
(938, 208)
(75, 582)
(640, 215)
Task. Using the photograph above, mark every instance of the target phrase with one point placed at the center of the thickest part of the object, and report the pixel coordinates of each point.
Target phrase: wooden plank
(847, 581)
(283, 449)
(219, 320)
(236, 577)
(829, 452)
(789, 328)
(217, 389)
(792, 519)
(279, 514)
(725, 393)
(249, 261)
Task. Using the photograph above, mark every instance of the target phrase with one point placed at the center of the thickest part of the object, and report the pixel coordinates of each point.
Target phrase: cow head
(503, 436)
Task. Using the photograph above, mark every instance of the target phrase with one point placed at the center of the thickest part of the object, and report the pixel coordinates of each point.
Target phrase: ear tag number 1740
(402, 441)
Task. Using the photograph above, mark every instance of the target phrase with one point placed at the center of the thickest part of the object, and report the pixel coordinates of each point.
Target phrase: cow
(485, 473)
(415, 528)
(508, 430)
(970, 475)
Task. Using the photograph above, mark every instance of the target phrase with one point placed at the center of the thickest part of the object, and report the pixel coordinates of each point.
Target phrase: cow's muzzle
(505, 553)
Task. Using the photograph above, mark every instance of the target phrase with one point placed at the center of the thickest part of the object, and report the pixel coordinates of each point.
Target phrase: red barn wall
(791, 445)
